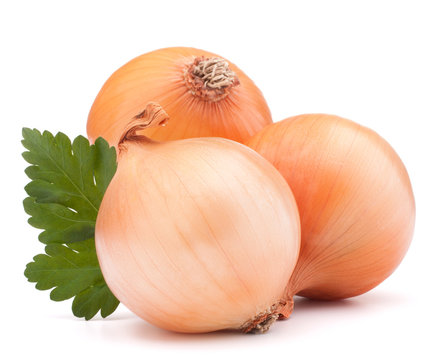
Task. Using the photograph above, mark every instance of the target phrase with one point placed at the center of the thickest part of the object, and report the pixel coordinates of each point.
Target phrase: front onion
(355, 201)
(204, 95)
(197, 235)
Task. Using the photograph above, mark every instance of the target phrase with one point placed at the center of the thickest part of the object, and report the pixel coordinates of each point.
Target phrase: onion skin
(197, 235)
(159, 76)
(355, 200)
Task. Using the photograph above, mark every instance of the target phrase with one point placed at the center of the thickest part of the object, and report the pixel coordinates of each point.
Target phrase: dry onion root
(355, 201)
(204, 95)
(197, 235)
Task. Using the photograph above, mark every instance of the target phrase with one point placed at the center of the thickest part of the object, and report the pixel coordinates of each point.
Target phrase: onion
(355, 201)
(197, 235)
(204, 95)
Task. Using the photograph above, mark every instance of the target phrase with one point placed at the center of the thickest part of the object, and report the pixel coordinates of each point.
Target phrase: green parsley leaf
(68, 181)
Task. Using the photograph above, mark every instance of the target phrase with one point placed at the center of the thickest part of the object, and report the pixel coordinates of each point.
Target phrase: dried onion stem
(210, 78)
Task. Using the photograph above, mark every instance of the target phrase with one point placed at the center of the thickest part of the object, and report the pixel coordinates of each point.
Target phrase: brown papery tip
(153, 115)
(210, 78)
(262, 322)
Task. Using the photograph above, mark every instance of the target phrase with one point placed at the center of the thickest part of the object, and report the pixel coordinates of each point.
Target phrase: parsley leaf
(68, 181)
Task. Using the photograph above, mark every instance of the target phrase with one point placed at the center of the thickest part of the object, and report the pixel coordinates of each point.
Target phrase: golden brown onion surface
(355, 201)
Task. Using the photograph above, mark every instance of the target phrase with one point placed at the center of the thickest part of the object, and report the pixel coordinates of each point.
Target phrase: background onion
(204, 95)
(355, 199)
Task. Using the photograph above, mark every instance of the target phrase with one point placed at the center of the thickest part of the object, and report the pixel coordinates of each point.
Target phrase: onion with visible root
(203, 93)
(197, 235)
(355, 201)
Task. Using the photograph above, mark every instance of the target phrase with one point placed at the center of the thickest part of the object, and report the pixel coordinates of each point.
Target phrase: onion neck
(210, 79)
(153, 115)
(263, 321)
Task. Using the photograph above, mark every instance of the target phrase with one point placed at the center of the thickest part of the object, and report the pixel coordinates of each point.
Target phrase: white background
(370, 61)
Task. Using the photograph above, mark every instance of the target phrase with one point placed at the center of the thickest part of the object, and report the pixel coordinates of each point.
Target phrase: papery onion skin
(355, 200)
(160, 76)
(197, 235)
